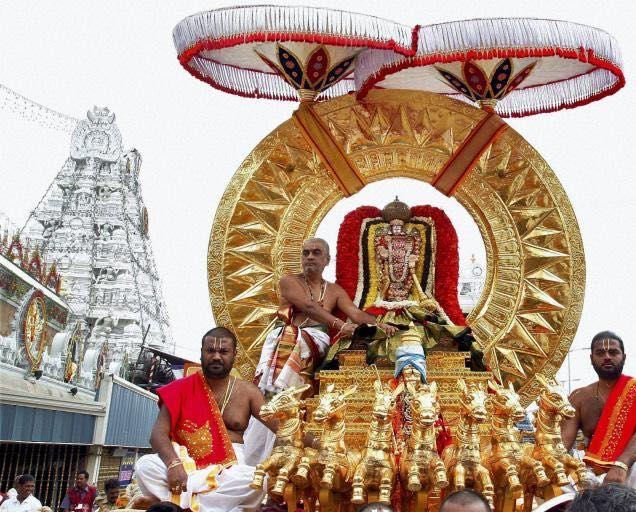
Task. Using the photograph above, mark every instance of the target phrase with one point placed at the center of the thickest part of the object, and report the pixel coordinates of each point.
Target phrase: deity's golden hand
(429, 305)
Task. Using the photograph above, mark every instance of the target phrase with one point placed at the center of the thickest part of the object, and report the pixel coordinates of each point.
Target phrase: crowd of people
(81, 497)
(211, 413)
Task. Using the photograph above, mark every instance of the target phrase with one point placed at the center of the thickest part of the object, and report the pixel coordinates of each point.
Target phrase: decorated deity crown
(396, 210)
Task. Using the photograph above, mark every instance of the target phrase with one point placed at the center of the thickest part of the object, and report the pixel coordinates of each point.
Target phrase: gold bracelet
(621, 465)
(333, 324)
(342, 327)
(174, 464)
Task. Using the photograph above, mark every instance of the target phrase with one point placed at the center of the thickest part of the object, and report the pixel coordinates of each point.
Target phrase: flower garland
(446, 261)
(347, 247)
(446, 255)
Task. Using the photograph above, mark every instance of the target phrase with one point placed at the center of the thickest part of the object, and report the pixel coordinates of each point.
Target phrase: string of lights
(34, 112)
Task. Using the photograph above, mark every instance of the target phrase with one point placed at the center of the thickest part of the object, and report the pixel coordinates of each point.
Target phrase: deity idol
(396, 258)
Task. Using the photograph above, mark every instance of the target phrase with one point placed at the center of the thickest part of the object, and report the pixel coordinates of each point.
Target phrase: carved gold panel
(531, 304)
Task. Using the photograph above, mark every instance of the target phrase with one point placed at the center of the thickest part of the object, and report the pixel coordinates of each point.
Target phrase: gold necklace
(323, 289)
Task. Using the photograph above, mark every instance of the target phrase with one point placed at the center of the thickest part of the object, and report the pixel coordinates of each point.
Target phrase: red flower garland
(446, 256)
(446, 261)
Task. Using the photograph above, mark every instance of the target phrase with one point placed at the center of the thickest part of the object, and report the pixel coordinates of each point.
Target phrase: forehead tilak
(217, 341)
(605, 344)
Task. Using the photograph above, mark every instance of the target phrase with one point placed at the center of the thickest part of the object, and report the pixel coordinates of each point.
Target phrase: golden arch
(531, 304)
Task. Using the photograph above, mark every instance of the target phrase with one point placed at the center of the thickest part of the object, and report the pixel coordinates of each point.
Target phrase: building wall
(36, 425)
(131, 415)
(108, 468)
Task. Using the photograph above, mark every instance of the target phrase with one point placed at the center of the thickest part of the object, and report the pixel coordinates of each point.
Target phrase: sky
(71, 55)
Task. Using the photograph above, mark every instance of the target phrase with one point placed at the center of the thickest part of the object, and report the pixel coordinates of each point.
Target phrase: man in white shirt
(24, 501)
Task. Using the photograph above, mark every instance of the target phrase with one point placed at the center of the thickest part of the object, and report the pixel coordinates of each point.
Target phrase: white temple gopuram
(92, 221)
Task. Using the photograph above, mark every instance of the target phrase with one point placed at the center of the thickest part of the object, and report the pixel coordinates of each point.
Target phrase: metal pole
(143, 343)
(570, 367)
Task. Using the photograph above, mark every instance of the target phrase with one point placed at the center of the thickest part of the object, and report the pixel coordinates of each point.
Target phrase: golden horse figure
(330, 468)
(509, 465)
(377, 469)
(548, 447)
(463, 458)
(421, 468)
(286, 408)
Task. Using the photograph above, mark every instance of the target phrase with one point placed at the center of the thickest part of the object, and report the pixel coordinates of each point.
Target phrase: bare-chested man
(300, 340)
(207, 413)
(606, 413)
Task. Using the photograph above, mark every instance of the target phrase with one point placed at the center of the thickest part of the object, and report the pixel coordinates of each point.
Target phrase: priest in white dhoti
(298, 343)
(200, 460)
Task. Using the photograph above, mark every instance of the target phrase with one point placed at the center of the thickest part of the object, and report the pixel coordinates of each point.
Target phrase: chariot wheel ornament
(531, 304)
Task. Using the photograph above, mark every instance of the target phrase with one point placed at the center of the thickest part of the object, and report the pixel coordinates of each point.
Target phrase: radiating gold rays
(533, 296)
(531, 304)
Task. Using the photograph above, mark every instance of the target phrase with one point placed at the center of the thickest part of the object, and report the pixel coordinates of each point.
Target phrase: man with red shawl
(606, 413)
(206, 413)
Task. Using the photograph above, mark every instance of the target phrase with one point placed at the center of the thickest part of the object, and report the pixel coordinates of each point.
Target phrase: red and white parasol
(518, 66)
(282, 52)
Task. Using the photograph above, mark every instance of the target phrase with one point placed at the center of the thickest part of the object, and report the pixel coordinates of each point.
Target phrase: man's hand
(347, 329)
(390, 330)
(177, 479)
(615, 475)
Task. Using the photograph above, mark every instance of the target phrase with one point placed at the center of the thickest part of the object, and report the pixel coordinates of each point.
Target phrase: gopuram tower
(93, 224)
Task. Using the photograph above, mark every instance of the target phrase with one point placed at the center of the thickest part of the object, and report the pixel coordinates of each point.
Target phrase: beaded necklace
(323, 289)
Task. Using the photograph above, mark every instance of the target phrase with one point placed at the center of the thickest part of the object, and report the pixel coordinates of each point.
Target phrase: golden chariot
(380, 100)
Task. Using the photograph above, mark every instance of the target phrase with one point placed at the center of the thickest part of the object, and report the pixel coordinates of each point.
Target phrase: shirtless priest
(300, 340)
(207, 413)
(606, 413)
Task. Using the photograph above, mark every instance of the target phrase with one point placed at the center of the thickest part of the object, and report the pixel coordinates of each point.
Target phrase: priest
(198, 436)
(606, 413)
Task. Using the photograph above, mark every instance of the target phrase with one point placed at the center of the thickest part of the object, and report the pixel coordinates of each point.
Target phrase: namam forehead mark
(606, 344)
(218, 342)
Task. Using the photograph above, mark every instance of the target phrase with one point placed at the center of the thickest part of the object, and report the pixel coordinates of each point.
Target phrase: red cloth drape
(196, 422)
(616, 426)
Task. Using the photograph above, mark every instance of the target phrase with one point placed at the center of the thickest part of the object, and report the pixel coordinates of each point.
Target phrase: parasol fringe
(519, 37)
(559, 95)
(492, 33)
(273, 22)
(224, 28)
